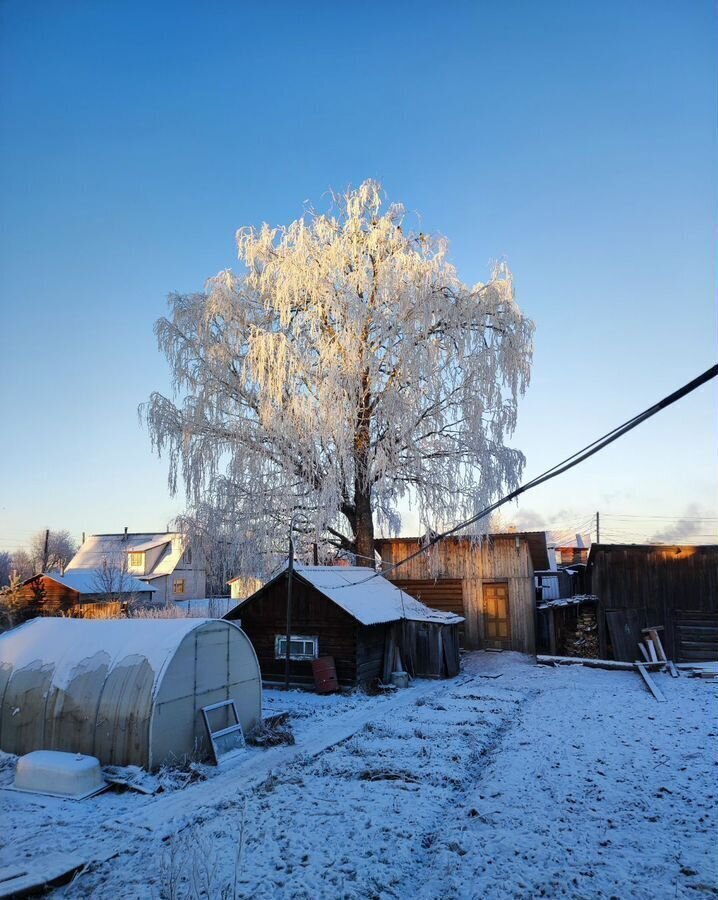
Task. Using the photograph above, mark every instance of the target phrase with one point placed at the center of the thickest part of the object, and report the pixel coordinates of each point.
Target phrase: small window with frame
(137, 560)
(178, 586)
(300, 647)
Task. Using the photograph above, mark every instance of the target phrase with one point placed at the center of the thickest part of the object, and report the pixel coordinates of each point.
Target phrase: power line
(569, 463)
(667, 518)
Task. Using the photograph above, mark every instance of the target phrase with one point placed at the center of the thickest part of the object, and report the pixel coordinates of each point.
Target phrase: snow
(359, 362)
(53, 772)
(149, 545)
(100, 547)
(94, 643)
(90, 582)
(568, 601)
(206, 607)
(369, 597)
(513, 780)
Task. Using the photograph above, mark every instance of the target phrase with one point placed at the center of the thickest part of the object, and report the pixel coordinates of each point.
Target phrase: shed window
(137, 560)
(179, 586)
(300, 647)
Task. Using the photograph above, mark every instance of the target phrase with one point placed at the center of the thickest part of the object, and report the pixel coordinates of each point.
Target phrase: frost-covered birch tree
(345, 368)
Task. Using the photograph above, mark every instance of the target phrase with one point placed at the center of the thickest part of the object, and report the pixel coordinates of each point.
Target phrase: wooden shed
(489, 580)
(647, 584)
(344, 612)
(52, 593)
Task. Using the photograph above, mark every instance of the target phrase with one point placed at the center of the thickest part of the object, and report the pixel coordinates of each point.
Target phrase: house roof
(538, 547)
(600, 549)
(69, 646)
(99, 547)
(150, 545)
(367, 597)
(88, 582)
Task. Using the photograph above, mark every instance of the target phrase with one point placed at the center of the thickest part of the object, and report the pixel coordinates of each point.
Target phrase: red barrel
(325, 675)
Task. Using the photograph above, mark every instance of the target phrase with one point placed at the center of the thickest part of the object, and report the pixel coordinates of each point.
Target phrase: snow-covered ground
(566, 782)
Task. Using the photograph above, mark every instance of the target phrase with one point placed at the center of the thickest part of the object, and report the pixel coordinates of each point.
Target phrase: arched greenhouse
(128, 691)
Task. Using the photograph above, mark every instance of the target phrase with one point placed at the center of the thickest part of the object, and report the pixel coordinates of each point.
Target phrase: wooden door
(497, 616)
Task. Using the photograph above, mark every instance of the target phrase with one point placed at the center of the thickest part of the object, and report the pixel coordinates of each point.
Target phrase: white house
(165, 560)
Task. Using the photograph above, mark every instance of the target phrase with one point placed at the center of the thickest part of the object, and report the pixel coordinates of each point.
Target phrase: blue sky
(576, 140)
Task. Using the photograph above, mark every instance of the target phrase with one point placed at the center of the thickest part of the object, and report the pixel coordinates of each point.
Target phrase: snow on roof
(90, 582)
(98, 641)
(568, 601)
(99, 547)
(369, 597)
(150, 545)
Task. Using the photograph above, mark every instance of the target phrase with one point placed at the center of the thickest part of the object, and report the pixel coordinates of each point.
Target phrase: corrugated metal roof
(370, 600)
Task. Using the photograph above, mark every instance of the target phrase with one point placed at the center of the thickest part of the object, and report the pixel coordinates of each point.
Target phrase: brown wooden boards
(696, 635)
(624, 628)
(650, 684)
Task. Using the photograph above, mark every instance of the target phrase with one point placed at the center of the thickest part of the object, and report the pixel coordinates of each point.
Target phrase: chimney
(83, 537)
(125, 537)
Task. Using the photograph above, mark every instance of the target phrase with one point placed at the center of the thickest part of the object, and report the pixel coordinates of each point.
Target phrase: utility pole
(46, 550)
(598, 528)
(290, 572)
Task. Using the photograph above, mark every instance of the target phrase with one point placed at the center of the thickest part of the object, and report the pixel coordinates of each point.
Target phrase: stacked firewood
(584, 643)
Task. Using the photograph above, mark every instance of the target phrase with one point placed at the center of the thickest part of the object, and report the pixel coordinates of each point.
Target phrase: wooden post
(552, 632)
(290, 571)
(46, 550)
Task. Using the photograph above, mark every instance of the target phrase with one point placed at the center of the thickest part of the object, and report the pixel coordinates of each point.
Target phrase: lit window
(179, 586)
(300, 647)
(137, 560)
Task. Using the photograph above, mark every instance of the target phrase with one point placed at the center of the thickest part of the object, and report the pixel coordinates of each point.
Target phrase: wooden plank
(655, 638)
(644, 652)
(672, 669)
(651, 650)
(44, 870)
(612, 664)
(649, 682)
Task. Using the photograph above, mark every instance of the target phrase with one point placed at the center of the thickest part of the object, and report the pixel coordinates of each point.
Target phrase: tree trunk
(364, 535)
(364, 528)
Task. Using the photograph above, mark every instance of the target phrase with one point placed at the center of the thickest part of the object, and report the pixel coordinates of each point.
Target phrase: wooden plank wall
(47, 597)
(665, 584)
(502, 559)
(265, 615)
(370, 640)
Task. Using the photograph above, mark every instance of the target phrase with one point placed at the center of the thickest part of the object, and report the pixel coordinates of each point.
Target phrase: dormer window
(187, 557)
(137, 560)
